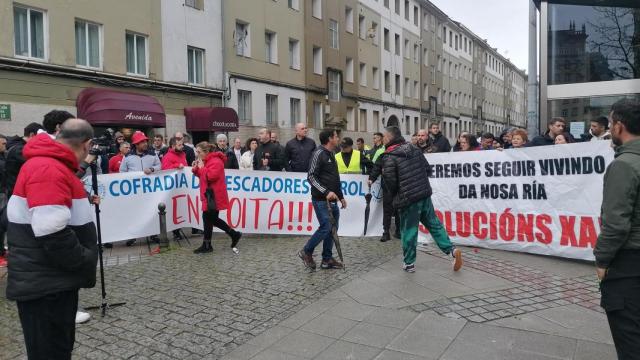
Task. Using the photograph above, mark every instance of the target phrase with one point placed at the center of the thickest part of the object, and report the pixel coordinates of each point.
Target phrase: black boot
(235, 237)
(204, 248)
(385, 237)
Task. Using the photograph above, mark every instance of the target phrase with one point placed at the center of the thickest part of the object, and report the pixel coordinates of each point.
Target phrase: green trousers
(410, 218)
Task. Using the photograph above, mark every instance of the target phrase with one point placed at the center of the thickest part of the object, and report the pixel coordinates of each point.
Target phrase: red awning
(104, 107)
(211, 119)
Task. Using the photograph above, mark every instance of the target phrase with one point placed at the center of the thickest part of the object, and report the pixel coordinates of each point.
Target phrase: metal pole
(164, 239)
(533, 118)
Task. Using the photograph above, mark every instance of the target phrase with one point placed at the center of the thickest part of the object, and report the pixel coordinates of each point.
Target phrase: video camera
(102, 144)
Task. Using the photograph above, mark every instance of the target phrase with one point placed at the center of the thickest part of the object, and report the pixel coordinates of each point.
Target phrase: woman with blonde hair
(209, 168)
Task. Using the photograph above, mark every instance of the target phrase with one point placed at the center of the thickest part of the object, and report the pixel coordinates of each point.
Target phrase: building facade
(50, 53)
(589, 58)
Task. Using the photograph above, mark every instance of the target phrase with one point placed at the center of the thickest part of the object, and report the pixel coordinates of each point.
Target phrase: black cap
(347, 141)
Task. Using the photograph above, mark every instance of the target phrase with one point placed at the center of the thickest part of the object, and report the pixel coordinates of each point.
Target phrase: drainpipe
(223, 70)
(533, 118)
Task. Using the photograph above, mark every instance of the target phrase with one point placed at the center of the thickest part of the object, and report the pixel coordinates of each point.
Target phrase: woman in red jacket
(209, 168)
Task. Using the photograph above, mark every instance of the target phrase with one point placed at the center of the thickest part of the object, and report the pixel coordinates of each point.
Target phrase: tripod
(105, 305)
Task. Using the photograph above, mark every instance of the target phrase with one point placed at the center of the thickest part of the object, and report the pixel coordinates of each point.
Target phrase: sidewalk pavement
(262, 304)
(499, 306)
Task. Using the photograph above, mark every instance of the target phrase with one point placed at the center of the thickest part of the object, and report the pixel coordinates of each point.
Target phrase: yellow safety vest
(354, 165)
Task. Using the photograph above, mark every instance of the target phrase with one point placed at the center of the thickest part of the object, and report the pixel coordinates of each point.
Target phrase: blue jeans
(324, 230)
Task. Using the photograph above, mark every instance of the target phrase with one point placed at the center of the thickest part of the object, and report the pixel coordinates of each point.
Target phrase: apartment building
(265, 64)
(136, 71)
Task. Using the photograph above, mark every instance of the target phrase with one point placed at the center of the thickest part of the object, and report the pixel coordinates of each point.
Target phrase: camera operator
(53, 240)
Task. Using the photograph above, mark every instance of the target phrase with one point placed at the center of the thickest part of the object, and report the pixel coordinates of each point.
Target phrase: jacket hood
(216, 154)
(43, 145)
(15, 140)
(404, 150)
(631, 147)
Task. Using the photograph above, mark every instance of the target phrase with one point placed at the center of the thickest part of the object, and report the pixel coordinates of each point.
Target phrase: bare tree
(616, 36)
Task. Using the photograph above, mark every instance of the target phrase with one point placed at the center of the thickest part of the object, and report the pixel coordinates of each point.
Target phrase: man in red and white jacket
(52, 240)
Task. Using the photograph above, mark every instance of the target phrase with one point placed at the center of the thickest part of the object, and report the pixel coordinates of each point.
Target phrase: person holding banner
(617, 250)
(209, 168)
(325, 183)
(174, 158)
(405, 172)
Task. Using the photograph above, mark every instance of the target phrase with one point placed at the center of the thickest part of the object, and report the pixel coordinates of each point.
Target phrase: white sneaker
(82, 317)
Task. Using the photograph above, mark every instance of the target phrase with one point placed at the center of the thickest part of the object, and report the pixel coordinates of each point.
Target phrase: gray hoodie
(135, 162)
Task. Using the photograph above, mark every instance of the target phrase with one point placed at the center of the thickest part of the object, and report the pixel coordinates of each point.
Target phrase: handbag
(210, 196)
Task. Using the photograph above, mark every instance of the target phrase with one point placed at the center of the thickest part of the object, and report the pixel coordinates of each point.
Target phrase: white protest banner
(259, 202)
(543, 200)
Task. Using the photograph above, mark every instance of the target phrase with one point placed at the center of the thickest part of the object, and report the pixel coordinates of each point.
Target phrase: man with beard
(439, 141)
(617, 250)
(140, 159)
(599, 130)
(269, 156)
(556, 127)
(424, 142)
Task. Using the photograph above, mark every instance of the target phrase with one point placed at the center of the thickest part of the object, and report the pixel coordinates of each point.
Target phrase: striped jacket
(51, 234)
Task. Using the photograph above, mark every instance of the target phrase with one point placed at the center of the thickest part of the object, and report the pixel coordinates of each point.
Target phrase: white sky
(504, 23)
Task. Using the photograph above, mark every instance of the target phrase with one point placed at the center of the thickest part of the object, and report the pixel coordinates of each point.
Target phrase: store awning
(104, 107)
(220, 119)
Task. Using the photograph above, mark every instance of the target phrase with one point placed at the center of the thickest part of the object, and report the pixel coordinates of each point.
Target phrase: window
(294, 111)
(317, 60)
(195, 60)
(348, 20)
(294, 4)
(416, 54)
(349, 70)
(136, 54)
(317, 115)
(316, 8)
(456, 42)
(333, 34)
(407, 14)
(294, 54)
(196, 4)
(362, 120)
(244, 106)
(29, 29)
(374, 31)
(271, 47)
(376, 119)
(450, 38)
(425, 92)
(387, 82)
(425, 21)
(407, 52)
(433, 74)
(351, 121)
(334, 86)
(376, 78)
(397, 38)
(398, 85)
(397, 7)
(407, 88)
(363, 74)
(386, 39)
(88, 44)
(272, 109)
(439, 64)
(362, 27)
(386, 3)
(416, 17)
(241, 39)
(416, 90)
(425, 57)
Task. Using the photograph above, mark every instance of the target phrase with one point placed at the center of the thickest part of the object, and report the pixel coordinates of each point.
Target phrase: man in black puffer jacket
(405, 173)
